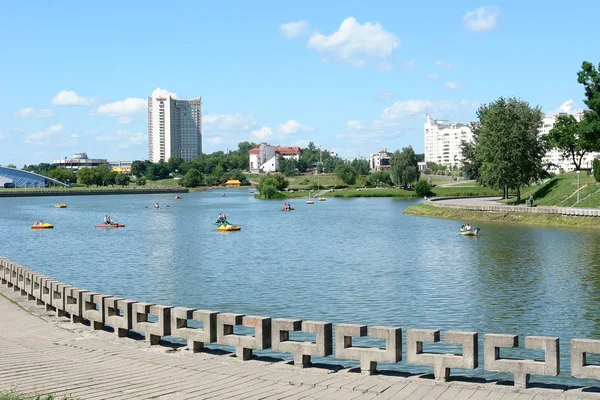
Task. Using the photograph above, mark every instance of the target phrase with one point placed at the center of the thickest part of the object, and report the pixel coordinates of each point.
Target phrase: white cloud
(124, 120)
(433, 76)
(292, 127)
(124, 139)
(451, 85)
(567, 107)
(30, 112)
(404, 117)
(410, 64)
(130, 106)
(70, 98)
(385, 95)
(215, 140)
(263, 133)
(39, 137)
(214, 124)
(443, 64)
(294, 29)
(158, 92)
(384, 66)
(482, 18)
(352, 42)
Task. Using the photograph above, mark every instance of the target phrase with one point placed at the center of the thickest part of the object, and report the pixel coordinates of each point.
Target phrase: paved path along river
(43, 354)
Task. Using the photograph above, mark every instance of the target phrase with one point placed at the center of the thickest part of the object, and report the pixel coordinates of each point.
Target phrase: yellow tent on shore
(233, 182)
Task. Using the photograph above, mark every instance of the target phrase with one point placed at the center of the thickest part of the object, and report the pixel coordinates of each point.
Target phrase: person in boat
(107, 219)
(462, 228)
(36, 223)
(156, 205)
(468, 227)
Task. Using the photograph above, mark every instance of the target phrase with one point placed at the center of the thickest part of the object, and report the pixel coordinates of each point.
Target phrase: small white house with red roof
(265, 157)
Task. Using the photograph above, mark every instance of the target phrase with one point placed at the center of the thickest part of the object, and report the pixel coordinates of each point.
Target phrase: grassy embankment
(560, 191)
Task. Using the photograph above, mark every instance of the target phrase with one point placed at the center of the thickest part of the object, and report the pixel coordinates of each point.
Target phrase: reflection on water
(343, 260)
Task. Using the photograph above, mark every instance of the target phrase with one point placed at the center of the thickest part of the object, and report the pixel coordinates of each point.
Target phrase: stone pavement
(42, 354)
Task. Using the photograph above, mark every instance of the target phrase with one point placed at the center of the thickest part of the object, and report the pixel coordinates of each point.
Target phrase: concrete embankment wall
(447, 203)
(87, 192)
(156, 321)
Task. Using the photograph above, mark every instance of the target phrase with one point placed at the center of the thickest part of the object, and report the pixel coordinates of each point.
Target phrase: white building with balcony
(265, 157)
(380, 161)
(443, 140)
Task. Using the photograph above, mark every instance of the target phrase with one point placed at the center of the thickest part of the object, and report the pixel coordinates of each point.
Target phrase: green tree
(85, 176)
(281, 182)
(11, 166)
(361, 167)
(110, 179)
(62, 174)
(573, 139)
(379, 178)
(122, 180)
(174, 163)
(288, 166)
(404, 170)
(345, 173)
(268, 187)
(101, 175)
(508, 147)
(422, 188)
(596, 167)
(589, 77)
(138, 168)
(193, 178)
(420, 157)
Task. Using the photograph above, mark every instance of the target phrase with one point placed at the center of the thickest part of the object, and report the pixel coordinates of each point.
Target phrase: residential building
(380, 161)
(265, 157)
(443, 140)
(174, 128)
(554, 158)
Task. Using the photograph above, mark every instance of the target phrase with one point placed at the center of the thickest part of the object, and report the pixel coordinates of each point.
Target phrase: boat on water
(321, 198)
(469, 232)
(108, 226)
(228, 227)
(287, 209)
(310, 202)
(60, 205)
(177, 197)
(44, 225)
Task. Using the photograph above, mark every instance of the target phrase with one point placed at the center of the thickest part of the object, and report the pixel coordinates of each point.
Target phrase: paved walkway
(41, 354)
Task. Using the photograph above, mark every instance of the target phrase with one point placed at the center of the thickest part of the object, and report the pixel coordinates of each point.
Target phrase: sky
(353, 77)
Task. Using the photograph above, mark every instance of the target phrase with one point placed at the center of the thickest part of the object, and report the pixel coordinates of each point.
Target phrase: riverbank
(88, 191)
(539, 219)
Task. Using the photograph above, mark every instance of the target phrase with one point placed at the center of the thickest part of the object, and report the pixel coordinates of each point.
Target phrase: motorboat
(310, 202)
(470, 232)
(228, 227)
(44, 225)
(60, 205)
(112, 225)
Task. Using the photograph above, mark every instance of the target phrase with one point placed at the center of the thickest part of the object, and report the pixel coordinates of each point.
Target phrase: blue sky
(352, 76)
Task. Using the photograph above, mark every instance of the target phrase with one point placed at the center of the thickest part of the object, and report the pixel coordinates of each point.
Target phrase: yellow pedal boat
(227, 228)
(60, 205)
(45, 225)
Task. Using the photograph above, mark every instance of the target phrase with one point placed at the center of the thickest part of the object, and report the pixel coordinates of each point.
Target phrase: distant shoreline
(86, 191)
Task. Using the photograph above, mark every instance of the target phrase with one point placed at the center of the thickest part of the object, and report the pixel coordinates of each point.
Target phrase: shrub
(596, 167)
(422, 188)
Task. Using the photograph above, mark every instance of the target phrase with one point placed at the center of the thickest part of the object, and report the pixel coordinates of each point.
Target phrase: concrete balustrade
(93, 309)
(521, 369)
(128, 315)
(302, 351)
(74, 302)
(368, 357)
(579, 366)
(195, 337)
(441, 363)
(118, 314)
(244, 344)
(58, 299)
(153, 331)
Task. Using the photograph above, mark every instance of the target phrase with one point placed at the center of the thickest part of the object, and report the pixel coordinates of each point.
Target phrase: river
(342, 260)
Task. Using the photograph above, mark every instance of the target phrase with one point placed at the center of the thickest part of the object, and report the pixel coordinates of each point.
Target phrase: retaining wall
(156, 321)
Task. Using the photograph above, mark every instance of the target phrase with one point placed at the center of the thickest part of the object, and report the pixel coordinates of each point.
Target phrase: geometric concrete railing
(125, 316)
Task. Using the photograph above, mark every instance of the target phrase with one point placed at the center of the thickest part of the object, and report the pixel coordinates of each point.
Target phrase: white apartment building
(174, 128)
(443, 140)
(554, 157)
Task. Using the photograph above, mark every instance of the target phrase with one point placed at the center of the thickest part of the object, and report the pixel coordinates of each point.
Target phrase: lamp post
(578, 186)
